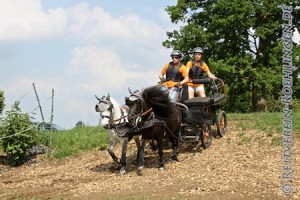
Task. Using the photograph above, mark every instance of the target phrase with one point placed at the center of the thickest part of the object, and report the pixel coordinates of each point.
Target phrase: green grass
(264, 121)
(72, 142)
(269, 123)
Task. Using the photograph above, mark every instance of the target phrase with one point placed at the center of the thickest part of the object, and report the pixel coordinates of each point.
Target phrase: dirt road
(241, 165)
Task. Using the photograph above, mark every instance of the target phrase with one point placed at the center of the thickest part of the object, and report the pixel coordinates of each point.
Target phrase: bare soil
(241, 165)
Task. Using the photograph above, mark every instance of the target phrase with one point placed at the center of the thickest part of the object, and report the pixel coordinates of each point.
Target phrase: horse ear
(97, 98)
(108, 97)
(130, 90)
(127, 101)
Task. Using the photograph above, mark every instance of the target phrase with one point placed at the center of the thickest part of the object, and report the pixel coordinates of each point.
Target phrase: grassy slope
(266, 121)
(74, 141)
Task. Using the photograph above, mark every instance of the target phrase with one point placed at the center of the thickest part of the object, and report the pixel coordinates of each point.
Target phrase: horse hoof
(161, 168)
(122, 172)
(140, 168)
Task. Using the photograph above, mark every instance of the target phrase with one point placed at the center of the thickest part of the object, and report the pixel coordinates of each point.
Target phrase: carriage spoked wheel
(206, 136)
(222, 123)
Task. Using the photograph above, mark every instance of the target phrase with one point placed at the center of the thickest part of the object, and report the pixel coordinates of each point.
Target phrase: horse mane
(116, 107)
(113, 101)
(158, 100)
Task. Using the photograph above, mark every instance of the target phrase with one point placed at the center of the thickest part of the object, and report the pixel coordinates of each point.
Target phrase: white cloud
(110, 54)
(95, 24)
(24, 20)
(19, 85)
(71, 101)
(102, 69)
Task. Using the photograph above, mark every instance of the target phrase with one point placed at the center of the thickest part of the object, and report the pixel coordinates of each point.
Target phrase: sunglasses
(176, 57)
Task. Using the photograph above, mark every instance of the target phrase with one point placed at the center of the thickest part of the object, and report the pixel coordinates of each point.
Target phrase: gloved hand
(177, 85)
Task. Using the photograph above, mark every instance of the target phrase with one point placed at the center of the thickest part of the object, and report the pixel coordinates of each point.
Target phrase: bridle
(142, 112)
(111, 109)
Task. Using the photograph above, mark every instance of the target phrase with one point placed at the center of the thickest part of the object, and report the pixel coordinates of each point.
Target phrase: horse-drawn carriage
(152, 115)
(211, 111)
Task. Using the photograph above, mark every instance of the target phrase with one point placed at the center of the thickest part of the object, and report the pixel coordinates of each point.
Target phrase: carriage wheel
(222, 123)
(206, 136)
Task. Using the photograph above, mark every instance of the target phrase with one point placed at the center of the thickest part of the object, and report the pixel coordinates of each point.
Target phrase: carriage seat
(197, 101)
(218, 98)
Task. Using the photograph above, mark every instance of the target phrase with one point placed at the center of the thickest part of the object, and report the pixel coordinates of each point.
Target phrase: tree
(242, 41)
(79, 124)
(2, 105)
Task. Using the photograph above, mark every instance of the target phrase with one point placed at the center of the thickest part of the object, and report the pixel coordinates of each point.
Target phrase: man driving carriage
(176, 75)
(196, 69)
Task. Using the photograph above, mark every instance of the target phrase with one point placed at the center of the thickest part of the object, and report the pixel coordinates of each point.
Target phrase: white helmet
(197, 50)
(176, 53)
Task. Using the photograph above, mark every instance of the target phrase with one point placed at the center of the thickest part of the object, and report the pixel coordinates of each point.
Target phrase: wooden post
(39, 106)
(51, 122)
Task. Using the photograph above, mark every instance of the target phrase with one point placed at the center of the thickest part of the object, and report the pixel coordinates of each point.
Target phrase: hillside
(245, 164)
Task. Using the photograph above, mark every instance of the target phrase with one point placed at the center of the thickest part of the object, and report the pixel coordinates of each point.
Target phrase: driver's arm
(211, 76)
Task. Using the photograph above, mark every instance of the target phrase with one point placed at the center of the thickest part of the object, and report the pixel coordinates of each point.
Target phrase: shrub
(17, 135)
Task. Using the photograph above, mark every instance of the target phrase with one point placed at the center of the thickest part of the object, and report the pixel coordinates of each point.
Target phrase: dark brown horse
(154, 117)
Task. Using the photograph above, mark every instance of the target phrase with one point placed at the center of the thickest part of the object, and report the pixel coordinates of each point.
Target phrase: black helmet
(197, 50)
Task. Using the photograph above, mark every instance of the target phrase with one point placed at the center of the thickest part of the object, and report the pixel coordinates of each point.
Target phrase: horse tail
(198, 116)
(159, 100)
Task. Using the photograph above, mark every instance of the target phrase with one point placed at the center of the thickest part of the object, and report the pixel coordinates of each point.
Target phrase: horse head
(105, 107)
(136, 105)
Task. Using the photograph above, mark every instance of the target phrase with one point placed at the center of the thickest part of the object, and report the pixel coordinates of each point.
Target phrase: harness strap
(122, 116)
(146, 112)
(116, 126)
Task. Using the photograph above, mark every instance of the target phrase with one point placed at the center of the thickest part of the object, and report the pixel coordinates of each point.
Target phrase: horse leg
(112, 143)
(141, 155)
(175, 150)
(161, 165)
(124, 143)
(138, 146)
(153, 145)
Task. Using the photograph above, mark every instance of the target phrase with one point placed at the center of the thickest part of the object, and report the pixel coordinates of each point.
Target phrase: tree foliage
(79, 124)
(17, 137)
(242, 44)
(2, 105)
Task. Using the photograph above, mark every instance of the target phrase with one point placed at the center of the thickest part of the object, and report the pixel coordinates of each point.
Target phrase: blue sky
(79, 48)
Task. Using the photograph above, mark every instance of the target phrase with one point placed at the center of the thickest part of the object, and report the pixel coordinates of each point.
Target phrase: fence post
(51, 122)
(39, 106)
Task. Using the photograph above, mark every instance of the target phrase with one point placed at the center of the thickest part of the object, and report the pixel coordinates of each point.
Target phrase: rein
(119, 119)
(145, 113)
